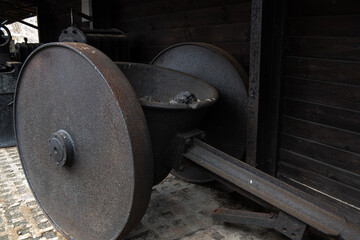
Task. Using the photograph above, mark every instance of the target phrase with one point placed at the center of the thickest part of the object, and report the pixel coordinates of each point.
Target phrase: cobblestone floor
(20, 216)
(177, 210)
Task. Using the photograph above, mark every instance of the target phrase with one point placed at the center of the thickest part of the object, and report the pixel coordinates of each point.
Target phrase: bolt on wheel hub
(61, 148)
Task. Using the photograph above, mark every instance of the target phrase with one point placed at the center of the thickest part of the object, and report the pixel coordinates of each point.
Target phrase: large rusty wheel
(225, 123)
(83, 141)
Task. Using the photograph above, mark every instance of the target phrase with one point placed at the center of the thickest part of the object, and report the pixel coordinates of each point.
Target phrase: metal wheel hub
(61, 148)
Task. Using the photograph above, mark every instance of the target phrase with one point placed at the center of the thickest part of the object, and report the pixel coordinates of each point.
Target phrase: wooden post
(254, 81)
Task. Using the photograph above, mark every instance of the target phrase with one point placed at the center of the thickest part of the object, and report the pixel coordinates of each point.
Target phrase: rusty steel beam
(296, 203)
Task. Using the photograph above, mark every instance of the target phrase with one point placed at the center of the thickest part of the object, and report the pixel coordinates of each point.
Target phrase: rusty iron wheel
(225, 123)
(83, 141)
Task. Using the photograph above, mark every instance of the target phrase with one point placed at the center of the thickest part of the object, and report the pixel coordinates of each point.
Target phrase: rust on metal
(165, 119)
(225, 123)
(291, 200)
(75, 88)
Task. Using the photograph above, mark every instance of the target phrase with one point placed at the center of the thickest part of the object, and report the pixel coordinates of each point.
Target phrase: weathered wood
(323, 114)
(14, 11)
(150, 8)
(238, 32)
(325, 48)
(46, 22)
(324, 26)
(146, 45)
(213, 34)
(152, 26)
(235, 13)
(54, 16)
(348, 212)
(337, 95)
(338, 190)
(254, 82)
(271, 83)
(324, 153)
(346, 72)
(320, 132)
(324, 169)
(323, 7)
(160, 37)
(333, 137)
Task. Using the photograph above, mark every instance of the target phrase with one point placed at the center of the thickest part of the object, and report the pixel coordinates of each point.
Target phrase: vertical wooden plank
(54, 16)
(266, 53)
(254, 81)
(103, 13)
(271, 82)
(46, 22)
(319, 130)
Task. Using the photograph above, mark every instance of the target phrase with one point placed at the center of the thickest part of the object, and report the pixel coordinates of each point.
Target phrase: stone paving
(20, 215)
(177, 210)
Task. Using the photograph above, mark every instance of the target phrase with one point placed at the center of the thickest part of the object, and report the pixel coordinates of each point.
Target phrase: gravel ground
(177, 210)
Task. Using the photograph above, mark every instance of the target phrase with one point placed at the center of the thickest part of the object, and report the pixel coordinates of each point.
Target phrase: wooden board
(234, 13)
(338, 190)
(324, 26)
(346, 211)
(335, 137)
(339, 48)
(320, 122)
(325, 169)
(321, 152)
(16, 10)
(154, 25)
(151, 8)
(346, 72)
(337, 95)
(323, 7)
(322, 113)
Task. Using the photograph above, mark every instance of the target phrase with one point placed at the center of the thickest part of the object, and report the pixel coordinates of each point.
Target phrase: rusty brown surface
(76, 88)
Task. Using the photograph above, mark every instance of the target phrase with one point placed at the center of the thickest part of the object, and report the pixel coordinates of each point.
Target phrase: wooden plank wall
(54, 16)
(154, 25)
(320, 122)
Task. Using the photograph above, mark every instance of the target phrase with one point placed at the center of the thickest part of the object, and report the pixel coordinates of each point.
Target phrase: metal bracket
(282, 222)
(178, 147)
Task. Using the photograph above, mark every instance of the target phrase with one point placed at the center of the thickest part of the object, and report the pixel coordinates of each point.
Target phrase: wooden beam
(254, 81)
(265, 84)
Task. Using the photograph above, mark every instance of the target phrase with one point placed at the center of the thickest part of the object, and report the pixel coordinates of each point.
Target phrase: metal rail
(298, 204)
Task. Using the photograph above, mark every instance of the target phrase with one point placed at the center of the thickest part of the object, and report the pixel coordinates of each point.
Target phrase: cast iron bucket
(164, 119)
